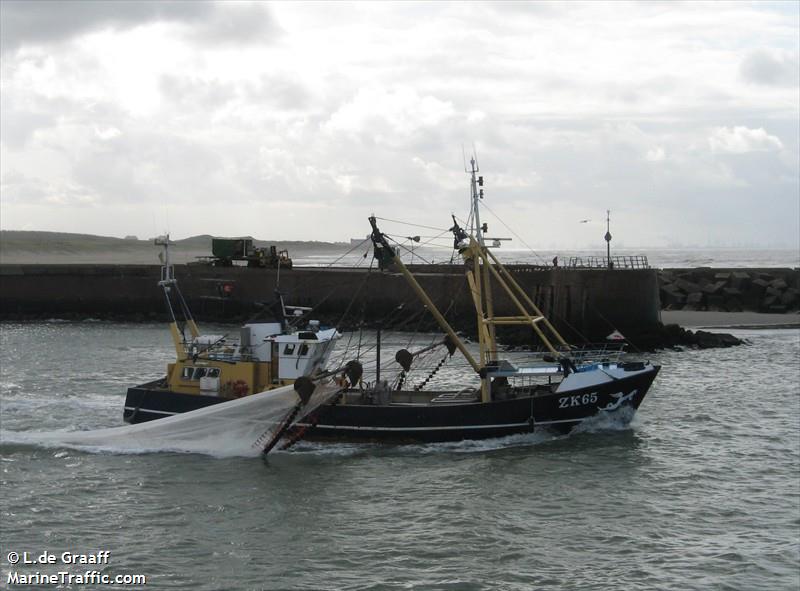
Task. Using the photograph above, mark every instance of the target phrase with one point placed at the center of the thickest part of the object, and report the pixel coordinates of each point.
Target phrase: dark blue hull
(433, 422)
(428, 423)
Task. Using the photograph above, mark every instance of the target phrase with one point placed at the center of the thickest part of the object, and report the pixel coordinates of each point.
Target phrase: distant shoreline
(22, 247)
(311, 254)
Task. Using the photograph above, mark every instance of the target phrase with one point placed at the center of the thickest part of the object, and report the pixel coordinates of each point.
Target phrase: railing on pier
(617, 262)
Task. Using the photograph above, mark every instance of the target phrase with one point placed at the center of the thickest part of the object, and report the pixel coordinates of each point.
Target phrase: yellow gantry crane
(481, 268)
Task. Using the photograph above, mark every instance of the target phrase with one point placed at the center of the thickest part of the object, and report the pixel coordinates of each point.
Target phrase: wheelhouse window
(195, 373)
(303, 350)
(288, 349)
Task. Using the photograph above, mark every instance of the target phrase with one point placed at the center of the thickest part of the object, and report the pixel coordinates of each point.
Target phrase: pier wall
(582, 302)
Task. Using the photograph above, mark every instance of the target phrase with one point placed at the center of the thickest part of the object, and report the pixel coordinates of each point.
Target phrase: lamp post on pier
(608, 238)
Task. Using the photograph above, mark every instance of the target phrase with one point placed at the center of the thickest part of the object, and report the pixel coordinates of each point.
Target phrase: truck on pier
(224, 251)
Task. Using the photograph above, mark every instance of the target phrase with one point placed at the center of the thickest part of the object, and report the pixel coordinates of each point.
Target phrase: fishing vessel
(558, 389)
(210, 369)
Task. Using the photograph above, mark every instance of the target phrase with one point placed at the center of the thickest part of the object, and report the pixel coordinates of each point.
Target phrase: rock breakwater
(774, 291)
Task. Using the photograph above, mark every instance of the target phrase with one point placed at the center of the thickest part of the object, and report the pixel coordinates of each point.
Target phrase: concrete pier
(581, 302)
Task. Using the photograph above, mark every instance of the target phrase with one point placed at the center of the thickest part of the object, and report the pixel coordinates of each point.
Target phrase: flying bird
(584, 221)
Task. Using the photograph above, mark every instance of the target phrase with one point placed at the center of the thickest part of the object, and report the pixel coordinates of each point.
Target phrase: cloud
(187, 92)
(108, 133)
(285, 91)
(19, 124)
(47, 21)
(235, 23)
(59, 192)
(771, 68)
(741, 140)
(656, 154)
(42, 22)
(397, 111)
(364, 107)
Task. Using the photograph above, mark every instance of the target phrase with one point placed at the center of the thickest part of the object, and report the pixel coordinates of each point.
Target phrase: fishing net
(235, 428)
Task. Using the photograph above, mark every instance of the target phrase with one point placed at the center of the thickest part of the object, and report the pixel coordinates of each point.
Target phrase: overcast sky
(297, 120)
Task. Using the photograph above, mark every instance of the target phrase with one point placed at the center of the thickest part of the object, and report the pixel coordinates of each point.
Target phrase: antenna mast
(476, 195)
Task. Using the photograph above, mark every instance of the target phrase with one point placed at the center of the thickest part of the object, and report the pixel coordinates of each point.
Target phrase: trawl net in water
(236, 428)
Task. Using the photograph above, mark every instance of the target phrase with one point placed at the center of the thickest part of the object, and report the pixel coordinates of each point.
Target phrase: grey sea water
(701, 492)
(660, 258)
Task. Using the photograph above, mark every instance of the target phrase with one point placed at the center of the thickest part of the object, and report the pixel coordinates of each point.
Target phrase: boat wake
(235, 428)
(239, 429)
(466, 446)
(618, 420)
(487, 445)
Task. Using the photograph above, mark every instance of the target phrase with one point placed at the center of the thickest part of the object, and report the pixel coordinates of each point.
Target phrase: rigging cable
(259, 313)
(410, 224)
(536, 254)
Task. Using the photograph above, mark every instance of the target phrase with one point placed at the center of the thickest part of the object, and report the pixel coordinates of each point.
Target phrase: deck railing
(592, 352)
(608, 351)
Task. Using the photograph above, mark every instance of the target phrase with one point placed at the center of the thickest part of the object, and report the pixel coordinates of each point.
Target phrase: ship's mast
(168, 283)
(482, 267)
(477, 275)
(476, 195)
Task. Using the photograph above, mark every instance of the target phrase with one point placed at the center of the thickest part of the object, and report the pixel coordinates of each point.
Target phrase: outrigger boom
(384, 254)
